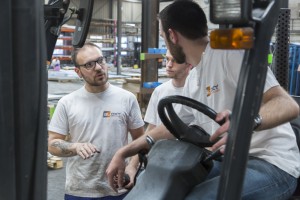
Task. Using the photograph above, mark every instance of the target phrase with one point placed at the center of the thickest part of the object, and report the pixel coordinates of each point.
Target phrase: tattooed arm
(59, 147)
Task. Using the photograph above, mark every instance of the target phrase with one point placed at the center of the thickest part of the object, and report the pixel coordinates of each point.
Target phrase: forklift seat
(296, 127)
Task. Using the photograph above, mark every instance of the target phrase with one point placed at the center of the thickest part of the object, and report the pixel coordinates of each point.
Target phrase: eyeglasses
(91, 65)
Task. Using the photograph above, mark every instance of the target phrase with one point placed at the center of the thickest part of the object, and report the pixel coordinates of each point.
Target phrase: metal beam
(119, 35)
(149, 68)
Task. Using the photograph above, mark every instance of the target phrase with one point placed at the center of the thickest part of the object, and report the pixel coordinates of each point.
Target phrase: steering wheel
(192, 134)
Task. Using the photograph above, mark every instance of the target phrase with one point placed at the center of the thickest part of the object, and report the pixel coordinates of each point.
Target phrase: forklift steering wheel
(192, 134)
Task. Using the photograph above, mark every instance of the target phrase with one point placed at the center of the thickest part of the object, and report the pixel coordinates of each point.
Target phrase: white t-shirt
(159, 92)
(214, 83)
(102, 119)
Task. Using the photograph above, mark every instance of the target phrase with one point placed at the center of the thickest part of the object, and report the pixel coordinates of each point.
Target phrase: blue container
(294, 73)
(162, 51)
(151, 50)
(151, 84)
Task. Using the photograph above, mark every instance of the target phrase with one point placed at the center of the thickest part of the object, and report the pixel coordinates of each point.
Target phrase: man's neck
(96, 89)
(178, 82)
(194, 49)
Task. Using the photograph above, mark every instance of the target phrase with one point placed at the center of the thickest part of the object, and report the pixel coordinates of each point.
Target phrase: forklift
(23, 118)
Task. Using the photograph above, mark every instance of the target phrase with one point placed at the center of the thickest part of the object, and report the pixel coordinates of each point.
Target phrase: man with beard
(177, 74)
(274, 161)
(97, 118)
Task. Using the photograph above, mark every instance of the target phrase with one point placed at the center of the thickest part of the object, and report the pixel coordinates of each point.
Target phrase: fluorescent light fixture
(128, 24)
(230, 11)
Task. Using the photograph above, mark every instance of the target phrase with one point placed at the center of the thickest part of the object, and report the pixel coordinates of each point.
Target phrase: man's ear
(173, 35)
(78, 72)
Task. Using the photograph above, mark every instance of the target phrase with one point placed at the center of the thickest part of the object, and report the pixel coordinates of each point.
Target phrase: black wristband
(257, 122)
(150, 140)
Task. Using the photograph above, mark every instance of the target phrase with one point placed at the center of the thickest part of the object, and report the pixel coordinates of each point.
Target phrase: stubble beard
(176, 52)
(95, 81)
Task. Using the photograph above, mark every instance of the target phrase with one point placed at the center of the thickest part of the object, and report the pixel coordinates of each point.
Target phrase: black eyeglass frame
(92, 64)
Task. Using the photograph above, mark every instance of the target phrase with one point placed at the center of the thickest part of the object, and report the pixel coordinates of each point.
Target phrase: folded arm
(58, 146)
(277, 108)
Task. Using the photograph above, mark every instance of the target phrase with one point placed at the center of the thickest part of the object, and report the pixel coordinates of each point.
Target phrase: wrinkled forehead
(88, 53)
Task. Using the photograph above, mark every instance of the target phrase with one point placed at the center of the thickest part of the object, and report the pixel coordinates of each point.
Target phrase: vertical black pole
(149, 68)
(150, 9)
(246, 106)
(23, 101)
(280, 65)
(119, 35)
(7, 137)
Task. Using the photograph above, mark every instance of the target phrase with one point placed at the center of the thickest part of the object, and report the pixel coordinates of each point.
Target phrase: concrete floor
(56, 183)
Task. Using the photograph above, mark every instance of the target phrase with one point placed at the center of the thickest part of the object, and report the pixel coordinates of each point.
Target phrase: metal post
(149, 68)
(280, 65)
(246, 105)
(23, 101)
(119, 35)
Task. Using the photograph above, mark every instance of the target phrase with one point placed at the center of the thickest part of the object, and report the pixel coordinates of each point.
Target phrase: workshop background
(131, 71)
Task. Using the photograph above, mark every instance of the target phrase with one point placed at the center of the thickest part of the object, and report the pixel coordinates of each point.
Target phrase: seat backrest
(296, 127)
(296, 123)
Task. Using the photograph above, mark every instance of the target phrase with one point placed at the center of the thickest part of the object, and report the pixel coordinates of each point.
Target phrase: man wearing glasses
(97, 118)
(177, 74)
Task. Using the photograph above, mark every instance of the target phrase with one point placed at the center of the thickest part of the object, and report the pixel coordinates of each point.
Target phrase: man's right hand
(115, 171)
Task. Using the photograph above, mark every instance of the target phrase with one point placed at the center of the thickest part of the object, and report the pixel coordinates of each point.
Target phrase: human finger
(81, 152)
(224, 115)
(220, 144)
(91, 149)
(120, 178)
(112, 181)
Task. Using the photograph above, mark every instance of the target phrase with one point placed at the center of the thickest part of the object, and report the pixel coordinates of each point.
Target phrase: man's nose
(169, 63)
(99, 66)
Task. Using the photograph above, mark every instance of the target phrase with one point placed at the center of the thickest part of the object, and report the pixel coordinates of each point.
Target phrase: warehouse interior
(128, 34)
(129, 71)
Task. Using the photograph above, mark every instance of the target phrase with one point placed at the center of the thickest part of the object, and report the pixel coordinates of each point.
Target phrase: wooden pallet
(55, 162)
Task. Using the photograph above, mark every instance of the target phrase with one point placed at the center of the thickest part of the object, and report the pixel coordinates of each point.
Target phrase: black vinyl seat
(296, 127)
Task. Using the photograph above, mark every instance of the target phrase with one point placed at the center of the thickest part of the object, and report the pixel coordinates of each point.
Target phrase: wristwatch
(257, 122)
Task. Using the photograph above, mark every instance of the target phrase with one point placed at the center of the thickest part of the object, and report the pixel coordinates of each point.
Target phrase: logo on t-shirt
(110, 114)
(211, 90)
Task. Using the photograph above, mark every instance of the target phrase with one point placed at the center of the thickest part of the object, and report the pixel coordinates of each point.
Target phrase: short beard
(92, 82)
(177, 52)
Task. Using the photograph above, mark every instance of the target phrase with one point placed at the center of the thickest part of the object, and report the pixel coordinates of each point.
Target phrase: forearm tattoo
(64, 147)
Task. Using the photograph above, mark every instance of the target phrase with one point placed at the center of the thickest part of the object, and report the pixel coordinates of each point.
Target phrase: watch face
(257, 121)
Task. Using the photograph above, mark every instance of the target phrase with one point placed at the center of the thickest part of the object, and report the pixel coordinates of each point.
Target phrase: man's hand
(115, 172)
(131, 171)
(86, 150)
(221, 132)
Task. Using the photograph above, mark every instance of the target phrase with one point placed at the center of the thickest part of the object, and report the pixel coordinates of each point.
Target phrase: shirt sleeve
(271, 81)
(151, 112)
(59, 121)
(135, 116)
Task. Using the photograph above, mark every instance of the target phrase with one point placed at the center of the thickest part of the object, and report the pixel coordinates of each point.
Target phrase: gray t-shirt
(102, 119)
(159, 92)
